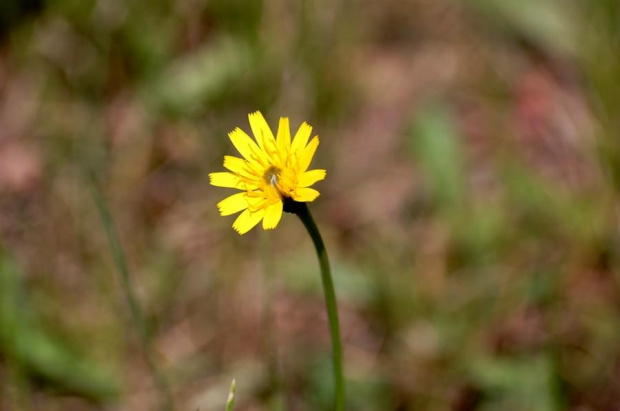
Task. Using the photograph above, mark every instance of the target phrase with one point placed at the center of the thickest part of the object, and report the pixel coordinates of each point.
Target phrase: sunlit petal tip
(261, 130)
(305, 195)
(273, 214)
(301, 137)
(226, 180)
(307, 154)
(310, 177)
(236, 131)
(257, 118)
(233, 204)
(247, 220)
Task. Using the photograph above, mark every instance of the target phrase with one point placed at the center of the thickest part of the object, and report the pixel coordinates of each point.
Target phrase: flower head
(272, 170)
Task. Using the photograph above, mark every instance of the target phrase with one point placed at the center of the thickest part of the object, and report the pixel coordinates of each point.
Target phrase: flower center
(272, 175)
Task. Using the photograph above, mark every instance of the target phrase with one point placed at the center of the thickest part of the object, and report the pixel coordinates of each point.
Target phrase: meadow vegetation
(473, 163)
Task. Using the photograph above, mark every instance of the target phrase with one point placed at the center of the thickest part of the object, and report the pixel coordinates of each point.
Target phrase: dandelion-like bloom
(272, 171)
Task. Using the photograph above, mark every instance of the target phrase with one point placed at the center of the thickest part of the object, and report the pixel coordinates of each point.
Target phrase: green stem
(136, 313)
(230, 403)
(302, 211)
(275, 399)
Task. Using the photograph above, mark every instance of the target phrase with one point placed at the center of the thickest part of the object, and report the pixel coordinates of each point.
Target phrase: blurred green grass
(469, 209)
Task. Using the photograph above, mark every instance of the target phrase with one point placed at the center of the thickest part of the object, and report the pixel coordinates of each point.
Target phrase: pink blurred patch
(20, 167)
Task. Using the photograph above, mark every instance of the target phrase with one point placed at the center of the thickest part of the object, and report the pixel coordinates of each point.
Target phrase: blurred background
(470, 208)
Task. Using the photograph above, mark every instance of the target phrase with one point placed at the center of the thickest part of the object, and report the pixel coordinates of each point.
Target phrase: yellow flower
(271, 172)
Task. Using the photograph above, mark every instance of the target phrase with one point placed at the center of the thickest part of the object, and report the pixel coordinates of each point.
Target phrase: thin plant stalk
(275, 398)
(136, 313)
(230, 402)
(303, 212)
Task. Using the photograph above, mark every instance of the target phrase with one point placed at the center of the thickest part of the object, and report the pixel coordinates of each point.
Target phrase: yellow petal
(307, 153)
(247, 220)
(301, 137)
(233, 204)
(244, 169)
(257, 204)
(234, 164)
(305, 195)
(273, 213)
(261, 130)
(283, 138)
(245, 145)
(225, 179)
(310, 177)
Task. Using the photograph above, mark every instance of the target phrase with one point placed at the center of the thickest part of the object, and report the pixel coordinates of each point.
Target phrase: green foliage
(518, 384)
(435, 144)
(239, 17)
(40, 354)
(549, 24)
(204, 78)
